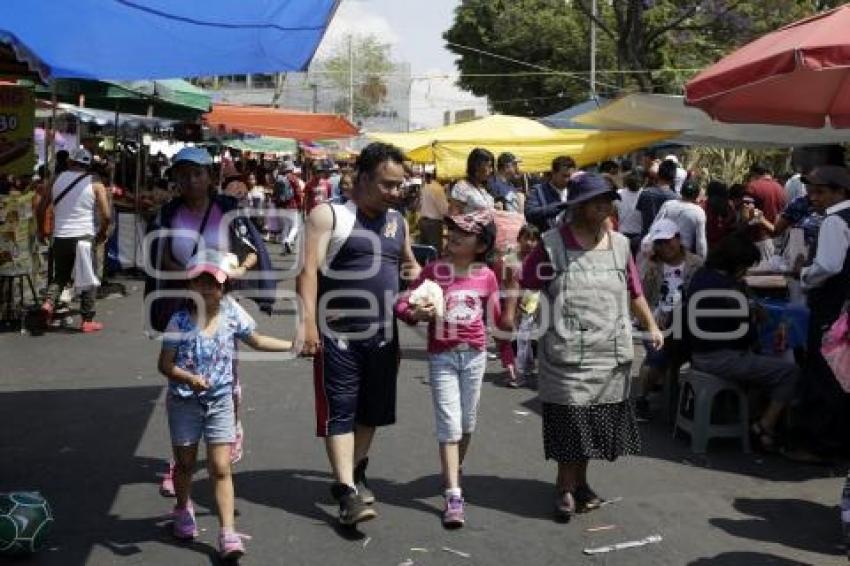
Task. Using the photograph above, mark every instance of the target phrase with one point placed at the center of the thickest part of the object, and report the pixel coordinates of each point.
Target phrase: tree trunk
(631, 47)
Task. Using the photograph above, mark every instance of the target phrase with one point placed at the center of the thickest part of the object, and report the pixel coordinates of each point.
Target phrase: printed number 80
(8, 122)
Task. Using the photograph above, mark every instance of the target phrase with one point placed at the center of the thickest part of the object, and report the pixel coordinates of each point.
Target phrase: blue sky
(414, 28)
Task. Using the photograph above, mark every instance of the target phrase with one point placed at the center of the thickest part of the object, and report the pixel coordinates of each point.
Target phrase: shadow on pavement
(748, 558)
(77, 446)
(305, 492)
(723, 455)
(795, 523)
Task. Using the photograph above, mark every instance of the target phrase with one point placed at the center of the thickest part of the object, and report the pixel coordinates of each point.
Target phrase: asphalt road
(85, 424)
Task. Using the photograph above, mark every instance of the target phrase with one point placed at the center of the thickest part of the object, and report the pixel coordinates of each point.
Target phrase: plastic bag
(836, 350)
(429, 292)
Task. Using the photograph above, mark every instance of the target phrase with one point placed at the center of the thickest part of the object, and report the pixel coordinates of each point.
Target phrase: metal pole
(50, 153)
(114, 173)
(350, 81)
(81, 102)
(315, 88)
(138, 203)
(595, 12)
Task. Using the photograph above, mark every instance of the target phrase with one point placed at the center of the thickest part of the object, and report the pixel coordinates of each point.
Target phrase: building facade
(314, 91)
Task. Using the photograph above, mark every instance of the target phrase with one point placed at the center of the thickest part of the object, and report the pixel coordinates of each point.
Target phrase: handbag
(836, 350)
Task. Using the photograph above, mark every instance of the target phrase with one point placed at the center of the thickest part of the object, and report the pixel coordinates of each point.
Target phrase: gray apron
(587, 349)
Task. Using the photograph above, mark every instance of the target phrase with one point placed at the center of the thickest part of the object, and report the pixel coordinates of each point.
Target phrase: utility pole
(594, 11)
(350, 80)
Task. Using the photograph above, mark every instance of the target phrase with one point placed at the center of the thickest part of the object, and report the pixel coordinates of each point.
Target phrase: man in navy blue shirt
(353, 256)
(547, 201)
(501, 183)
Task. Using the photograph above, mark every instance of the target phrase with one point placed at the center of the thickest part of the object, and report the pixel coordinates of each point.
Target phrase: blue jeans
(456, 378)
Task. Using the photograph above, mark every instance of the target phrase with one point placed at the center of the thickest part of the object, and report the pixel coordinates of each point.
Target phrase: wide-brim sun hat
(587, 186)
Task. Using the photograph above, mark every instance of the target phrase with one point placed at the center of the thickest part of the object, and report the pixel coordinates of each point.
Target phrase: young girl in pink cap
(197, 355)
(457, 338)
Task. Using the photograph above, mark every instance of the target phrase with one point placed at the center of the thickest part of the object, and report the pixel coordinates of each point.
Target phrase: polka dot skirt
(589, 432)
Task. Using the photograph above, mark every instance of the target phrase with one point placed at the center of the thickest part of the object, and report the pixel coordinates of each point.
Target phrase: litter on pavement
(457, 552)
(601, 528)
(653, 539)
(610, 501)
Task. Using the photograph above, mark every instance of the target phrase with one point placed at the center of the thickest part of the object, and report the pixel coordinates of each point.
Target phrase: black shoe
(361, 484)
(352, 509)
(565, 506)
(586, 499)
(642, 412)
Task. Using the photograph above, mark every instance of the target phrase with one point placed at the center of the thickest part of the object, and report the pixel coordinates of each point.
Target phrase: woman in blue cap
(589, 280)
(197, 220)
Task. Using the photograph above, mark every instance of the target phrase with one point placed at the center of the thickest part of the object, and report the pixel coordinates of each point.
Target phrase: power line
(526, 64)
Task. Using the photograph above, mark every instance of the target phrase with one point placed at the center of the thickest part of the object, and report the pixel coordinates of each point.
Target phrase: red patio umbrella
(798, 75)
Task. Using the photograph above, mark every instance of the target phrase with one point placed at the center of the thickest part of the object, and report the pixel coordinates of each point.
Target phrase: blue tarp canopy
(158, 39)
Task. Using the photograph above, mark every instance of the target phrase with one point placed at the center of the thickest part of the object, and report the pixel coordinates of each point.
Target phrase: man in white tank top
(82, 217)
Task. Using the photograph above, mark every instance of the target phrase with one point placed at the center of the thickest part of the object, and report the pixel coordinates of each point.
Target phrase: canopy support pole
(50, 155)
(114, 169)
(138, 194)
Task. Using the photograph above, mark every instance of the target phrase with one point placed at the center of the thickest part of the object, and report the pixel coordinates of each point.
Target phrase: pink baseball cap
(472, 222)
(216, 263)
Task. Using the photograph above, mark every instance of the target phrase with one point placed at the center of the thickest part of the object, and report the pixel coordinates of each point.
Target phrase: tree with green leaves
(643, 45)
(370, 62)
(546, 34)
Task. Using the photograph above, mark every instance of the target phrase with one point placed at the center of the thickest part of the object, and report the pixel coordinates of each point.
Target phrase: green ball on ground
(25, 522)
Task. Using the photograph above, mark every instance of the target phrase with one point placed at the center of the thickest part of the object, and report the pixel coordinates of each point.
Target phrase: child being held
(518, 356)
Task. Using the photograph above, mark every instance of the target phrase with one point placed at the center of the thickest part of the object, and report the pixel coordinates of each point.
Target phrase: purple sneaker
(230, 545)
(453, 515)
(185, 527)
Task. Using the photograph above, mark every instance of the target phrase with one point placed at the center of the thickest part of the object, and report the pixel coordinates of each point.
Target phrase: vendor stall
(649, 112)
(529, 140)
(279, 123)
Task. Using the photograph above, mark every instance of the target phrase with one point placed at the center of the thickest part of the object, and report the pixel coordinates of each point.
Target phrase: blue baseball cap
(193, 155)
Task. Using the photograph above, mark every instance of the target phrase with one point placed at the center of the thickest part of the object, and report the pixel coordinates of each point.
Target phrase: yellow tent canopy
(502, 127)
(535, 144)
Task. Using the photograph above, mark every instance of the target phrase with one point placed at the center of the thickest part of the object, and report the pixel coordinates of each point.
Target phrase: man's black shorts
(355, 382)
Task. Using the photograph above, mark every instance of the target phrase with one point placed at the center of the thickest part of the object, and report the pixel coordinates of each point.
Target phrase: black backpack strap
(202, 227)
(67, 190)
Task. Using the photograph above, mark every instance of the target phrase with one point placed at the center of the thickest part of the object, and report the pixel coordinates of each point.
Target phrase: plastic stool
(14, 307)
(705, 388)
